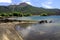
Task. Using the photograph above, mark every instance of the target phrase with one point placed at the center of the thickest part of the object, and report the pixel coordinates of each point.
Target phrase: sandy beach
(7, 31)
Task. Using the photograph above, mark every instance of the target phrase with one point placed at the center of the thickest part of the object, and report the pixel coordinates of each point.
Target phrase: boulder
(43, 21)
(50, 21)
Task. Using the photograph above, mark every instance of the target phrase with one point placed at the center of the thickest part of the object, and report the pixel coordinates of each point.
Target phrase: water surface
(46, 31)
(38, 18)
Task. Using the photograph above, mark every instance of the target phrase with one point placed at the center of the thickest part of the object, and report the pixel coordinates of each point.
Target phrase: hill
(26, 8)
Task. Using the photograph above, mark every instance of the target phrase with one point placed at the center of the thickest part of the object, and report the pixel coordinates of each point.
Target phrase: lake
(46, 31)
(38, 18)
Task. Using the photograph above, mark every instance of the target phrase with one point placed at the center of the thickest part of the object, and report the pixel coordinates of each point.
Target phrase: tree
(4, 14)
(10, 14)
(43, 14)
(15, 14)
(21, 14)
(27, 14)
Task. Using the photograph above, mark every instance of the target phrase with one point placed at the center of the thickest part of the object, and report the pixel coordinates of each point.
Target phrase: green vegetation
(4, 14)
(15, 14)
(10, 14)
(27, 14)
(44, 14)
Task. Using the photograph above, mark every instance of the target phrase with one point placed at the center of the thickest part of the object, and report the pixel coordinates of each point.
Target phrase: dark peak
(23, 4)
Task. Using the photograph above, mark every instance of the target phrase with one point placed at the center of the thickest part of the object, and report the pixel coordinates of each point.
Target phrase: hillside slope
(26, 8)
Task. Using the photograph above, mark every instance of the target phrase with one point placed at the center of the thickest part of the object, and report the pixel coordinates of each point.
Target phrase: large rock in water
(50, 21)
(43, 21)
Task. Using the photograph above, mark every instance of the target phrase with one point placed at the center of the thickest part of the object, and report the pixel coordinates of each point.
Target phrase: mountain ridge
(26, 8)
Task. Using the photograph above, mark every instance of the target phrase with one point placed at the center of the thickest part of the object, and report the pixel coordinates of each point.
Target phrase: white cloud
(23, 0)
(5, 1)
(47, 4)
(27, 1)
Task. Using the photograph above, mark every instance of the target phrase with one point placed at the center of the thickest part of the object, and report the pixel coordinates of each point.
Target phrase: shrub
(15, 14)
(43, 14)
(4, 14)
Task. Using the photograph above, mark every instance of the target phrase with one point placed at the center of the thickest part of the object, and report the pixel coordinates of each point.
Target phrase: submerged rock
(50, 21)
(45, 21)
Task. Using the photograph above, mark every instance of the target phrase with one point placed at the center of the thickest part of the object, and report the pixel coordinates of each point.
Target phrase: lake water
(38, 18)
(46, 31)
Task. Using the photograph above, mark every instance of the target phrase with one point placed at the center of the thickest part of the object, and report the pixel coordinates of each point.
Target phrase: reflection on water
(48, 31)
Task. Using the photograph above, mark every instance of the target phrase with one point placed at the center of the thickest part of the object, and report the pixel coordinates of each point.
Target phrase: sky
(36, 3)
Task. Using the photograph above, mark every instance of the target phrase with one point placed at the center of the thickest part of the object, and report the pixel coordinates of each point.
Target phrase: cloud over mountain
(5, 1)
(47, 4)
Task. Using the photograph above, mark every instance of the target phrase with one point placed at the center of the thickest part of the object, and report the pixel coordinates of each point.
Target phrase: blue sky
(37, 3)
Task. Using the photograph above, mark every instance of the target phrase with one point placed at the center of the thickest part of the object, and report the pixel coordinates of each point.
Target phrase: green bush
(10, 14)
(27, 14)
(43, 14)
(15, 14)
(4, 14)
